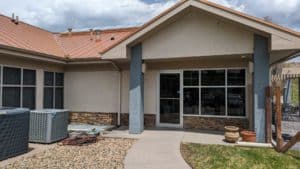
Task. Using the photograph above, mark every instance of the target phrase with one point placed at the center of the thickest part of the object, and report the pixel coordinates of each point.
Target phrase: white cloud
(57, 15)
(283, 12)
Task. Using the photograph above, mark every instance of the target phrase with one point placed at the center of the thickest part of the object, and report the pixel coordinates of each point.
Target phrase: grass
(295, 92)
(216, 156)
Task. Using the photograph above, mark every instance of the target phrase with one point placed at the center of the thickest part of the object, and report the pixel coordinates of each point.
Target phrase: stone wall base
(189, 122)
(93, 118)
(149, 120)
(213, 123)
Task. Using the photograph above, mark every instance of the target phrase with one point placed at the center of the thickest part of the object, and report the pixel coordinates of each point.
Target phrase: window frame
(21, 85)
(226, 86)
(54, 86)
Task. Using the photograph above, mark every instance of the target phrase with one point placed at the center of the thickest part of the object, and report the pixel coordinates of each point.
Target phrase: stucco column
(299, 91)
(136, 101)
(260, 82)
(39, 89)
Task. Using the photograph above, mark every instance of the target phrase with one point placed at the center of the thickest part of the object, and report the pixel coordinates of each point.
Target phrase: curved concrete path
(157, 150)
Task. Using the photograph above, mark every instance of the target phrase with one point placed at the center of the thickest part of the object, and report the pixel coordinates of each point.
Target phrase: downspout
(117, 68)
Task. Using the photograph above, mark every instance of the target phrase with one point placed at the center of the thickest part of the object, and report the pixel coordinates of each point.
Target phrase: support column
(39, 104)
(260, 82)
(299, 92)
(136, 101)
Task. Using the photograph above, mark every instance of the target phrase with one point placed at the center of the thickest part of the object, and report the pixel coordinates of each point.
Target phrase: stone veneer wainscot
(149, 119)
(94, 118)
(213, 123)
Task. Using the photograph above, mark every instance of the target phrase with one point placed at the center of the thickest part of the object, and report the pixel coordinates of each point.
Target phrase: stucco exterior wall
(91, 91)
(198, 34)
(150, 92)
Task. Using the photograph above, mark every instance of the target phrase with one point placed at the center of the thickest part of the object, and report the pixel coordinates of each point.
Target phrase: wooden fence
(279, 146)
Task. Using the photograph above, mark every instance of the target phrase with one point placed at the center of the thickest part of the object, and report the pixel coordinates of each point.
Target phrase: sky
(59, 15)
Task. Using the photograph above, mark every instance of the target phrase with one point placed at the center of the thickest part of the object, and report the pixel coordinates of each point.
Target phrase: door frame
(180, 125)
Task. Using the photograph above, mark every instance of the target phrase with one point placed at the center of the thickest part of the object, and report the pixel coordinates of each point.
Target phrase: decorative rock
(107, 153)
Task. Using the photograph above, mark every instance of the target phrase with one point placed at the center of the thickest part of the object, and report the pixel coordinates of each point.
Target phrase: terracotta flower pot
(248, 136)
(231, 134)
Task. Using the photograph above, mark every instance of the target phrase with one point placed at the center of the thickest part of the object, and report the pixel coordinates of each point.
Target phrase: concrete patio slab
(204, 137)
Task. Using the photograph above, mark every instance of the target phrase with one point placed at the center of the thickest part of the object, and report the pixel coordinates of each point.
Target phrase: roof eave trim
(31, 54)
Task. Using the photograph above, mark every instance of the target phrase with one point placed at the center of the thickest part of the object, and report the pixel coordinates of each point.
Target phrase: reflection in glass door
(169, 98)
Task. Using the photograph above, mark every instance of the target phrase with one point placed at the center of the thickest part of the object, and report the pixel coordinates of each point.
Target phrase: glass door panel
(169, 98)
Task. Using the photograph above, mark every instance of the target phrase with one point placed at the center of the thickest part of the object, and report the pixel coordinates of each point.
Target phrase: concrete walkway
(156, 150)
(159, 148)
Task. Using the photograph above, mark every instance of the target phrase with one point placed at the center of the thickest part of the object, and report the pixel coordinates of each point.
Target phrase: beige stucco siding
(198, 34)
(150, 92)
(125, 91)
(92, 91)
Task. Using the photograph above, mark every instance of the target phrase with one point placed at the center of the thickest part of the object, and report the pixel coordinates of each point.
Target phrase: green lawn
(295, 92)
(216, 156)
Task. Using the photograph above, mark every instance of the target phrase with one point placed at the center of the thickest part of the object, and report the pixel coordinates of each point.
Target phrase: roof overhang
(8, 50)
(281, 38)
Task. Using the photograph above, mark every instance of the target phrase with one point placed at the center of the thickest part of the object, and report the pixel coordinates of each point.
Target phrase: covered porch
(200, 92)
(200, 66)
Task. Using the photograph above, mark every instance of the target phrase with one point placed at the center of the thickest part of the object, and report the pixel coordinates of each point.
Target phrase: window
(53, 90)
(191, 78)
(213, 101)
(236, 92)
(191, 92)
(18, 87)
(191, 100)
(220, 92)
(213, 77)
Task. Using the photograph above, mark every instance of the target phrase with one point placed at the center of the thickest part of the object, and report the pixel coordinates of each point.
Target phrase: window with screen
(53, 90)
(18, 87)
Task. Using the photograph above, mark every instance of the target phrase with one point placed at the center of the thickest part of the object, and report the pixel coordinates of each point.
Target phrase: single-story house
(196, 65)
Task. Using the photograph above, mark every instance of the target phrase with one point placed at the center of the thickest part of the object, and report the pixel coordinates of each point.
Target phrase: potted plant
(231, 134)
(248, 136)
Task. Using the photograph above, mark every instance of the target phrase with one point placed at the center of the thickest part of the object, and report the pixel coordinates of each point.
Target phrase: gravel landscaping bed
(107, 153)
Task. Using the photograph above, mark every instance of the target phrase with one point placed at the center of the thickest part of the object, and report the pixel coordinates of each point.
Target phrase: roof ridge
(121, 29)
(60, 45)
(20, 21)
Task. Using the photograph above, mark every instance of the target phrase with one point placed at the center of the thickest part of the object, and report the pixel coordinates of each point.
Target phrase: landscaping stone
(107, 153)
